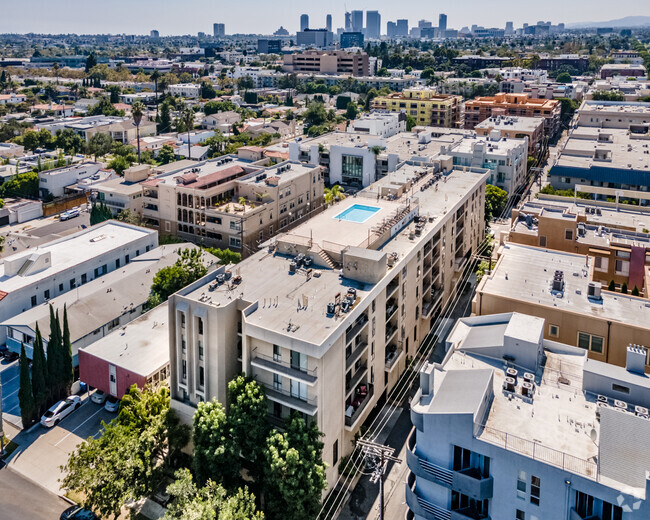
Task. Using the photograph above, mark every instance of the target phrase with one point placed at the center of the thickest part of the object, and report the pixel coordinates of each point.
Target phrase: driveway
(41, 450)
(10, 380)
(24, 499)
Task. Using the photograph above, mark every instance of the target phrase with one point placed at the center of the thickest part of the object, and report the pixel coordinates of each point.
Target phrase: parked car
(11, 356)
(72, 213)
(60, 410)
(112, 404)
(78, 513)
(98, 397)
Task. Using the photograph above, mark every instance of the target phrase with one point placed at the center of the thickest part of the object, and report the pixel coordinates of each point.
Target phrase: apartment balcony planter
(283, 368)
(392, 359)
(278, 395)
(356, 353)
(352, 419)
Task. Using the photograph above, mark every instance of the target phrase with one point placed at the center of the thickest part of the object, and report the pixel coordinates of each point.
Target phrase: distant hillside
(628, 21)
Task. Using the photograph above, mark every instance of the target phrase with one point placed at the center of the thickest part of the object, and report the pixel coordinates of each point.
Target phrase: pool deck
(357, 213)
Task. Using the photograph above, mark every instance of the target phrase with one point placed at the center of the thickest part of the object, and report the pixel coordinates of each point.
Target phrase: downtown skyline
(71, 16)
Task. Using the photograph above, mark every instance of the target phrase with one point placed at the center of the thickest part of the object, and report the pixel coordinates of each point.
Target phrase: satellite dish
(593, 434)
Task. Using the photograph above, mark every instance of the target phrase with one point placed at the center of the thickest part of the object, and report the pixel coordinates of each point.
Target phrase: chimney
(635, 361)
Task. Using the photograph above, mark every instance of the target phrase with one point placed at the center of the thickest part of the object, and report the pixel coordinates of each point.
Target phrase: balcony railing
(307, 405)
(390, 310)
(283, 368)
(392, 357)
(361, 405)
(356, 353)
(356, 328)
(391, 288)
(356, 378)
(421, 506)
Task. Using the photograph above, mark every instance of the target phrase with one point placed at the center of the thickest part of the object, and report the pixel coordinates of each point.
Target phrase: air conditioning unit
(593, 291)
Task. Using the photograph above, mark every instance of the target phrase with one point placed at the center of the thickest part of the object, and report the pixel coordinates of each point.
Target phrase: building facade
(426, 106)
(328, 62)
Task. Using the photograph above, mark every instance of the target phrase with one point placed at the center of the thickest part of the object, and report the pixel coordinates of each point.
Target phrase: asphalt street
(21, 498)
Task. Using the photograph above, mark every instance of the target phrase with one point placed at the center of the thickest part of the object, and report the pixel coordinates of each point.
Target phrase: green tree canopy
(495, 201)
(188, 268)
(563, 77)
(21, 185)
(99, 145)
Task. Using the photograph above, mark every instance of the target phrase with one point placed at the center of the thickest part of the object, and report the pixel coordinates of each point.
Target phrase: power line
(385, 455)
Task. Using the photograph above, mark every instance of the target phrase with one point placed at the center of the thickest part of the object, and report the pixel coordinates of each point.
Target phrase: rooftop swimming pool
(357, 213)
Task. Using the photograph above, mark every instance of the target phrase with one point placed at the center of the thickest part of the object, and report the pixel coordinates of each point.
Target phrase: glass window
(352, 169)
(201, 377)
(521, 485)
(520, 515)
(200, 325)
(554, 331)
(534, 490)
(335, 452)
(277, 353)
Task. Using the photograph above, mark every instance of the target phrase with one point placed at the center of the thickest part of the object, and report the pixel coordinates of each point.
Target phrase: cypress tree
(39, 374)
(67, 374)
(25, 395)
(53, 355)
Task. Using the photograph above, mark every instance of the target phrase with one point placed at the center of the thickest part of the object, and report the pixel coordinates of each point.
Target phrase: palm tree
(55, 68)
(187, 116)
(333, 194)
(155, 76)
(137, 110)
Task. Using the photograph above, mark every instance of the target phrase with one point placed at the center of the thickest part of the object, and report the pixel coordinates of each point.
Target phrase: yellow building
(425, 105)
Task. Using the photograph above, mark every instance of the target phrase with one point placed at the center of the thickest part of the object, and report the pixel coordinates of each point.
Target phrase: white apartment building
(505, 158)
(53, 182)
(36, 275)
(124, 193)
(186, 90)
(327, 315)
(381, 124)
(510, 425)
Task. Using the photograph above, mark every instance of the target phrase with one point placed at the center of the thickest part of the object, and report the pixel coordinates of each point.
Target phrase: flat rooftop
(525, 273)
(492, 146)
(515, 123)
(265, 276)
(193, 174)
(73, 250)
(120, 186)
(615, 107)
(141, 346)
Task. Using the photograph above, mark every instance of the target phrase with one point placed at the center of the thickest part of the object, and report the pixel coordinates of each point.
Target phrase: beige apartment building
(616, 237)
(327, 62)
(327, 316)
(426, 105)
(560, 288)
(229, 202)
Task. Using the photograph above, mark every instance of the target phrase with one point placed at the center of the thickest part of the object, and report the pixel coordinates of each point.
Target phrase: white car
(69, 214)
(112, 404)
(98, 397)
(60, 410)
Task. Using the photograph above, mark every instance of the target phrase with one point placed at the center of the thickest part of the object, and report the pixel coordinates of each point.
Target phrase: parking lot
(10, 379)
(41, 450)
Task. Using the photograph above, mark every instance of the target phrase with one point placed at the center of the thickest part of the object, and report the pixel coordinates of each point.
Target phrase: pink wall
(94, 371)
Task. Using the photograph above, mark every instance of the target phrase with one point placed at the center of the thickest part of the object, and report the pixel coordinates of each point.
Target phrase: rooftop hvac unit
(330, 308)
(593, 291)
(509, 384)
(602, 399)
(345, 306)
(292, 267)
(641, 410)
(529, 378)
(620, 405)
(512, 372)
(527, 389)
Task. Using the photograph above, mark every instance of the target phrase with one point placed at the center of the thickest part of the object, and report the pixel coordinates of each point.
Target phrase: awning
(599, 251)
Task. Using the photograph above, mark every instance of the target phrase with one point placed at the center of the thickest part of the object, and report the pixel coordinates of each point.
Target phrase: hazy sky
(265, 16)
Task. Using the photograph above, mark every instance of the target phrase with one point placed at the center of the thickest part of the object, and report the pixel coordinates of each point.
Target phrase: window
(553, 331)
(46, 294)
(60, 287)
(534, 490)
(182, 320)
(591, 342)
(568, 234)
(335, 452)
(622, 267)
(73, 284)
(200, 325)
(235, 242)
(521, 485)
(114, 323)
(33, 301)
(601, 263)
(201, 377)
(520, 515)
(117, 263)
(200, 350)
(277, 353)
(462, 458)
(126, 259)
(184, 364)
(372, 350)
(620, 388)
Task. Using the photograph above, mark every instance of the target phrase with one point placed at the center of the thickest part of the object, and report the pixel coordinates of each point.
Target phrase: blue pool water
(357, 213)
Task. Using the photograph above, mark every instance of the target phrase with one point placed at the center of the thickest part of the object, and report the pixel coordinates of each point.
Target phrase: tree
(612, 286)
(130, 217)
(225, 256)
(45, 139)
(635, 291)
(67, 372)
(166, 154)
(25, 394)
(91, 61)
(315, 115)
(165, 120)
(104, 107)
(69, 141)
(99, 145)
(564, 77)
(137, 111)
(333, 194)
(100, 213)
(351, 111)
(30, 140)
(624, 288)
(495, 202)
(410, 123)
(119, 164)
(40, 388)
(187, 117)
(215, 456)
(247, 419)
(207, 90)
(155, 76)
(246, 83)
(21, 185)
(54, 356)
(188, 268)
(295, 472)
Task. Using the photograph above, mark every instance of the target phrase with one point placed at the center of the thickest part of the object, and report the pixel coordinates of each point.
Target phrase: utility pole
(385, 455)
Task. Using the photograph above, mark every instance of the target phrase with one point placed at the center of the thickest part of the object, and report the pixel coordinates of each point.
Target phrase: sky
(265, 16)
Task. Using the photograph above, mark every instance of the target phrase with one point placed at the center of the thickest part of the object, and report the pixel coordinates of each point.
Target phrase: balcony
(390, 310)
(422, 507)
(150, 194)
(281, 368)
(277, 395)
(356, 328)
(391, 288)
(355, 409)
(356, 353)
(470, 482)
(393, 355)
(390, 331)
(356, 378)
